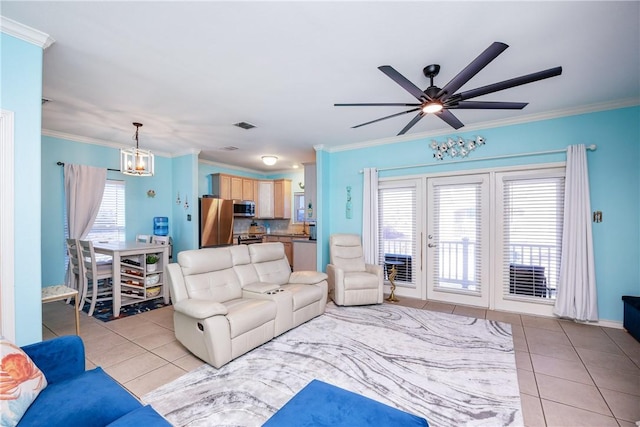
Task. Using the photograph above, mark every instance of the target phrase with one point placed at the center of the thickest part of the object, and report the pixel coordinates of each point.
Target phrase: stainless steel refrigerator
(216, 222)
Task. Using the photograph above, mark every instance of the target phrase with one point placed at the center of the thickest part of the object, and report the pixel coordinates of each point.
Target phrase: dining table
(130, 250)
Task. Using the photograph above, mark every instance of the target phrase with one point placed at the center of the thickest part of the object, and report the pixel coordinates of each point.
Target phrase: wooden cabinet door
(265, 199)
(247, 189)
(282, 198)
(236, 188)
(221, 185)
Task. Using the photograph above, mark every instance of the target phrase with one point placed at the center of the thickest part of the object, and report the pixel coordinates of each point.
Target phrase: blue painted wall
(140, 209)
(614, 173)
(185, 224)
(21, 92)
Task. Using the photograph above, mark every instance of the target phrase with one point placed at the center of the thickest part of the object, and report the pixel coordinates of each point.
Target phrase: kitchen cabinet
(282, 198)
(221, 185)
(247, 189)
(310, 197)
(236, 188)
(232, 187)
(287, 241)
(265, 208)
(274, 199)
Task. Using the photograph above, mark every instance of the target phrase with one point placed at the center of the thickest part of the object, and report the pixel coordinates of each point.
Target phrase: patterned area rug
(104, 309)
(451, 370)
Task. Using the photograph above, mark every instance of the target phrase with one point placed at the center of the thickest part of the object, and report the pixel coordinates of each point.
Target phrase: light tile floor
(569, 374)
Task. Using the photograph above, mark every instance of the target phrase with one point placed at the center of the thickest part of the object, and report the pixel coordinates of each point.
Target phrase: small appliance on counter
(312, 231)
(254, 228)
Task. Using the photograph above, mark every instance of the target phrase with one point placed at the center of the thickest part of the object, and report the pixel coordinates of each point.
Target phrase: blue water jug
(161, 226)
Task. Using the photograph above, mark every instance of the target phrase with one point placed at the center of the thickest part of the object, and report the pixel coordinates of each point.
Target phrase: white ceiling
(189, 70)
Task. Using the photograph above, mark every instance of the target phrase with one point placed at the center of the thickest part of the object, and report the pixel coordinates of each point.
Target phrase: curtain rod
(109, 169)
(591, 147)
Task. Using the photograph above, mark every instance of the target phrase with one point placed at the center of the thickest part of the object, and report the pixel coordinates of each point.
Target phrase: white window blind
(397, 230)
(110, 222)
(533, 215)
(457, 210)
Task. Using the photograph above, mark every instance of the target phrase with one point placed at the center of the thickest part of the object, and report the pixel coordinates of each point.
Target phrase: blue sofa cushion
(92, 398)
(320, 404)
(59, 359)
(142, 417)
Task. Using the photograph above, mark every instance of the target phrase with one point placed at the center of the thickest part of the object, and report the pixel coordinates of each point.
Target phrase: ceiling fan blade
(386, 117)
(474, 105)
(451, 120)
(387, 104)
(472, 69)
(402, 81)
(413, 121)
(517, 81)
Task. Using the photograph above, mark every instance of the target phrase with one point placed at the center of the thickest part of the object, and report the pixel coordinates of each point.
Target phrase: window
(298, 208)
(397, 229)
(532, 237)
(110, 222)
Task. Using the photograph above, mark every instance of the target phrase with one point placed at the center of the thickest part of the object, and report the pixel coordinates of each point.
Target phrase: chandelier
(136, 161)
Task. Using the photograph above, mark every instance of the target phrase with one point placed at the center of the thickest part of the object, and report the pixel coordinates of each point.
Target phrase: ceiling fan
(438, 101)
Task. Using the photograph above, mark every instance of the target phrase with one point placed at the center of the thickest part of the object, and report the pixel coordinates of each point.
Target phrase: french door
(457, 239)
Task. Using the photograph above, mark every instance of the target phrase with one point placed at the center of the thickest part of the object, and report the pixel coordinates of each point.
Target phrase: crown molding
(23, 32)
(186, 152)
(592, 108)
(95, 141)
(231, 167)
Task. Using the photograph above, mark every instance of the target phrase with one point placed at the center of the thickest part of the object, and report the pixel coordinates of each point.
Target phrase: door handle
(431, 245)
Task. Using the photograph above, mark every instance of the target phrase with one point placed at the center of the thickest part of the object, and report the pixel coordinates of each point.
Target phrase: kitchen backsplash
(277, 226)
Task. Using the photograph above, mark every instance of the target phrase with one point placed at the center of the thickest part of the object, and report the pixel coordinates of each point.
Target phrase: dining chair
(76, 268)
(143, 238)
(98, 275)
(163, 240)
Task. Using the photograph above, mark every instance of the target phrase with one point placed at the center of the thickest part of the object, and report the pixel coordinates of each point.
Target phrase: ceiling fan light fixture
(269, 160)
(432, 107)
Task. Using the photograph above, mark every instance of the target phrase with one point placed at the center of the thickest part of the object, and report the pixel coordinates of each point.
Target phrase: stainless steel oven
(249, 239)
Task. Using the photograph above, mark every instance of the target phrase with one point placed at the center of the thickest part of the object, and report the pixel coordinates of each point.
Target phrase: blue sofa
(76, 397)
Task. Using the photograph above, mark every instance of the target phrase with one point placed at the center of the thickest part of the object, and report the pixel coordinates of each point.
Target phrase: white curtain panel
(370, 216)
(83, 189)
(577, 296)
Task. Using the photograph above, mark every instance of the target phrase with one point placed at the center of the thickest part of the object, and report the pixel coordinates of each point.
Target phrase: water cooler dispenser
(161, 226)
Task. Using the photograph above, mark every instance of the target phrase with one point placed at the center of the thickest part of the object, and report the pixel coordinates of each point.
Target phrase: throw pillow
(20, 382)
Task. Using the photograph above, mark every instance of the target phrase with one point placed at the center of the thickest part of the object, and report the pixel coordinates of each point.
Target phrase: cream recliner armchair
(351, 280)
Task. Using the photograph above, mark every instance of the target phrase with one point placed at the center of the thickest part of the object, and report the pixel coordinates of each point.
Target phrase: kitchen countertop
(297, 235)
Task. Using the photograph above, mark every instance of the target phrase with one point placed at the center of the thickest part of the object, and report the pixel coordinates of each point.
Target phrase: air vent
(244, 125)
(229, 148)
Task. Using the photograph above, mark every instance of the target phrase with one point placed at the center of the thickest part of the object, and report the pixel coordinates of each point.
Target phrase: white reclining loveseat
(232, 299)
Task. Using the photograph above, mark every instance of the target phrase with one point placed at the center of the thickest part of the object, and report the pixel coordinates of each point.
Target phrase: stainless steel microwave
(244, 208)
